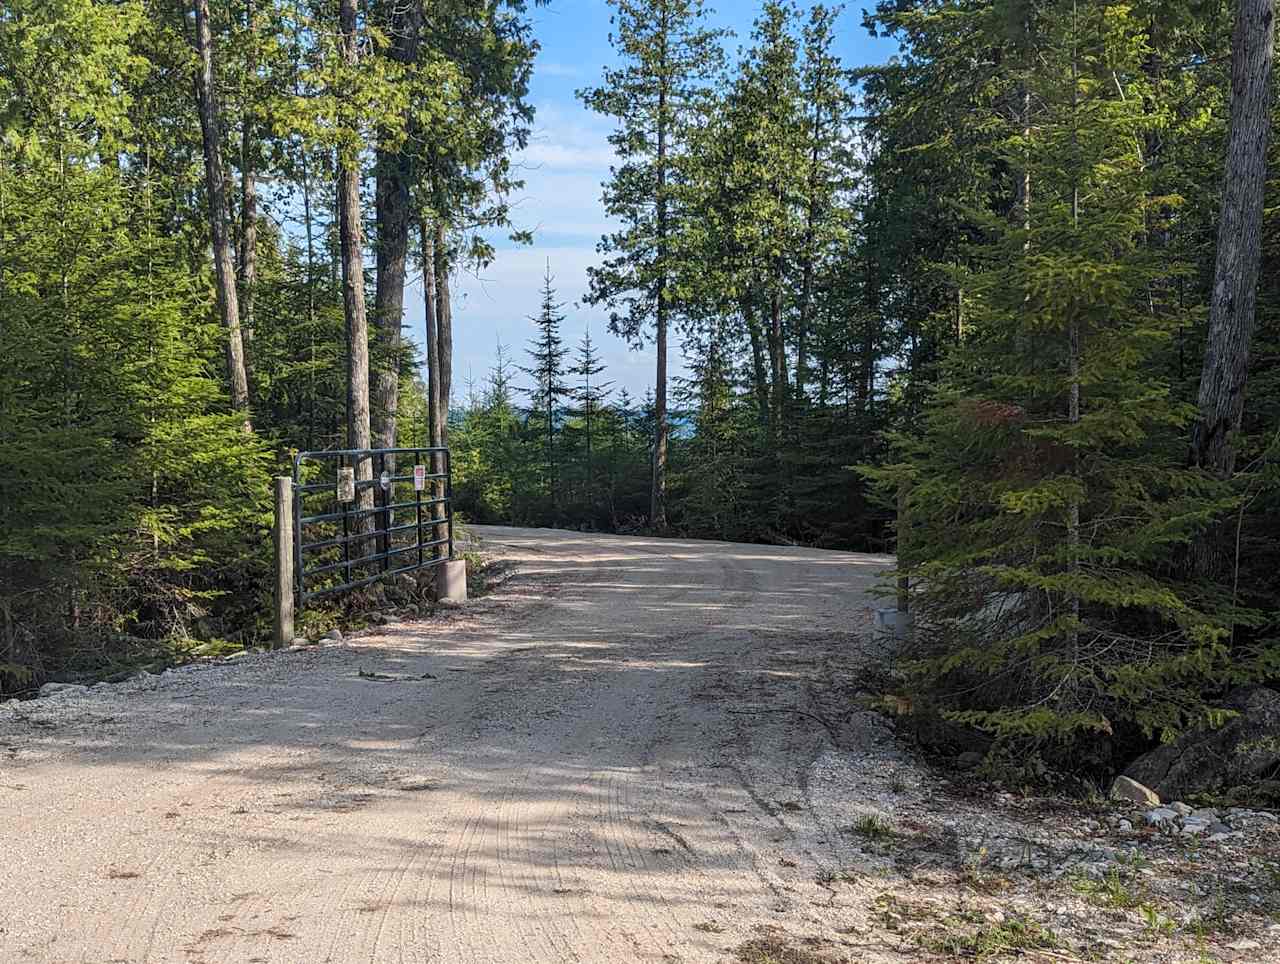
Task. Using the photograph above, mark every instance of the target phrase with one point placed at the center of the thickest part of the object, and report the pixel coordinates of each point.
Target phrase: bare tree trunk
(866, 385)
(824, 380)
(760, 376)
(435, 422)
(810, 232)
(444, 327)
(1235, 276)
(1073, 355)
(350, 245)
(658, 491)
(392, 213)
(215, 185)
(1023, 187)
(802, 331)
(311, 296)
(248, 259)
(777, 357)
(434, 430)
(658, 486)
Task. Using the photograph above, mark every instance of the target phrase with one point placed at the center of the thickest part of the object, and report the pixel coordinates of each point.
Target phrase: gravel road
(624, 754)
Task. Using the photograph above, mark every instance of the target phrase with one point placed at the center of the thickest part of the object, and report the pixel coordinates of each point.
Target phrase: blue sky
(567, 160)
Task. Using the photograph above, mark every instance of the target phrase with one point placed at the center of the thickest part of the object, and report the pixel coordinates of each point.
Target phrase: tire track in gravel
(586, 777)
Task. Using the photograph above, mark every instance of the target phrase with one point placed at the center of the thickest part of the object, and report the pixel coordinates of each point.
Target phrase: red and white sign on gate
(419, 477)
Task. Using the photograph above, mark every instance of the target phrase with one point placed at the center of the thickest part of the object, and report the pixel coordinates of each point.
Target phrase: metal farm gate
(351, 517)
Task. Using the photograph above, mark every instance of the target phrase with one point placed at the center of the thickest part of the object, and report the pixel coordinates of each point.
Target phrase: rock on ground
(1239, 754)
(1130, 790)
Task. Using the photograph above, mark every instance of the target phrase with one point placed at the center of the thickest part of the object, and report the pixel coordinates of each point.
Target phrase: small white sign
(346, 485)
(419, 477)
(384, 480)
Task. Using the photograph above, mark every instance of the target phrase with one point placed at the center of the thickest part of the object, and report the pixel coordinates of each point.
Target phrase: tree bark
(215, 185)
(393, 177)
(431, 334)
(353, 304)
(777, 355)
(870, 337)
(311, 295)
(658, 487)
(1235, 276)
(658, 493)
(760, 376)
(810, 233)
(248, 259)
(435, 422)
(1073, 360)
(444, 327)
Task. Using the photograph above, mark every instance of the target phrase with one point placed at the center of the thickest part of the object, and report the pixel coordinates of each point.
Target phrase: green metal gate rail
(336, 540)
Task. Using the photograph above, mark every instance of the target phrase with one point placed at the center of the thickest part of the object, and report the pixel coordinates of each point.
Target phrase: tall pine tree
(668, 59)
(547, 354)
(1047, 491)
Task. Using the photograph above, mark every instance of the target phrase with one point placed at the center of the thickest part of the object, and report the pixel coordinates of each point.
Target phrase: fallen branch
(830, 728)
(389, 678)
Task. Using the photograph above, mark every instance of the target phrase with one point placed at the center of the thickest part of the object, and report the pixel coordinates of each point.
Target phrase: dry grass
(774, 950)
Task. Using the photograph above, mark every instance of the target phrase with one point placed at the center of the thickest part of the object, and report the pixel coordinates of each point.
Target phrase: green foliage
(975, 273)
(131, 497)
(669, 60)
(1048, 501)
(134, 502)
(546, 368)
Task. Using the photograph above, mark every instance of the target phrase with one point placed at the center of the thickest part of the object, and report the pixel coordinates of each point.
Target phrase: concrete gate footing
(895, 623)
(451, 581)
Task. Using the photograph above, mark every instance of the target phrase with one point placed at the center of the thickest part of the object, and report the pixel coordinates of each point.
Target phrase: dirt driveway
(620, 756)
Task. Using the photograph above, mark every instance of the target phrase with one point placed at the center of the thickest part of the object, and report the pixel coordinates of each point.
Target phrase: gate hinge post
(284, 597)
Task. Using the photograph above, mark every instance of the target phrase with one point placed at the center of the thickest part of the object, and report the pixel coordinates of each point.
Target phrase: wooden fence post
(284, 561)
(904, 533)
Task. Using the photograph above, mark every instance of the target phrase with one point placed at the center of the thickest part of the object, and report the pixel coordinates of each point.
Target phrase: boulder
(1239, 753)
(1161, 817)
(67, 689)
(1125, 788)
(942, 736)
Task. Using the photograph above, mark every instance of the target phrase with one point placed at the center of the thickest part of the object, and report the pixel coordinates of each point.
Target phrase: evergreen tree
(486, 450)
(1047, 486)
(547, 354)
(126, 474)
(589, 394)
(711, 483)
(827, 104)
(769, 219)
(668, 58)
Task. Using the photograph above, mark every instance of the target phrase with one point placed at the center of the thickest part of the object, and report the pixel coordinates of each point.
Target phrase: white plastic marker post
(346, 485)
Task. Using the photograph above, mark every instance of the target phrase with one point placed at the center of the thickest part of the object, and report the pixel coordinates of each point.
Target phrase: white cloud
(496, 305)
(563, 167)
(551, 68)
(559, 156)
